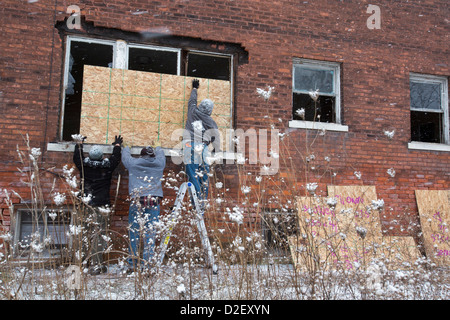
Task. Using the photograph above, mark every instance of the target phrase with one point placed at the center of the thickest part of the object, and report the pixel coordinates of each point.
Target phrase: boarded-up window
(162, 109)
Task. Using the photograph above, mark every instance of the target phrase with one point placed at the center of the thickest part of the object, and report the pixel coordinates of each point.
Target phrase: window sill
(415, 145)
(317, 125)
(107, 149)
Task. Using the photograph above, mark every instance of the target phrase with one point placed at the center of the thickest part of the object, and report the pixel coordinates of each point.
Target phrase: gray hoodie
(208, 131)
(145, 173)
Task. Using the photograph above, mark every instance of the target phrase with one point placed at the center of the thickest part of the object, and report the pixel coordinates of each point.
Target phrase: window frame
(69, 40)
(120, 49)
(16, 228)
(155, 48)
(275, 248)
(444, 111)
(321, 65)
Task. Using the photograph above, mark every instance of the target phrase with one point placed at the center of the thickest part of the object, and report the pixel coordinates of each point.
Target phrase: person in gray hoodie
(202, 131)
(145, 191)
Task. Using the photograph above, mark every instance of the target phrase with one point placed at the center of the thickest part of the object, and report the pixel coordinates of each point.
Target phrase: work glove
(118, 140)
(195, 83)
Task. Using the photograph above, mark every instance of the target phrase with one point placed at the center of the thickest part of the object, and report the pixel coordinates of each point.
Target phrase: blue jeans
(197, 169)
(141, 219)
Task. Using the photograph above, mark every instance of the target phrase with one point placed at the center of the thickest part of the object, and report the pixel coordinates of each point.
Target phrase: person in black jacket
(96, 174)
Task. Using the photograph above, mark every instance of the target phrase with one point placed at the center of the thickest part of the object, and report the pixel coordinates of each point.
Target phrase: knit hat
(96, 153)
(148, 151)
(206, 106)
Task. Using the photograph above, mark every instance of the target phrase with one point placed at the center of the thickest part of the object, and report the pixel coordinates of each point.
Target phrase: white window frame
(66, 68)
(230, 134)
(321, 65)
(154, 48)
(443, 81)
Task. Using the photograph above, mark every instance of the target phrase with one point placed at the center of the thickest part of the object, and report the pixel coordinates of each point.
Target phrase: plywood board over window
(143, 106)
(434, 213)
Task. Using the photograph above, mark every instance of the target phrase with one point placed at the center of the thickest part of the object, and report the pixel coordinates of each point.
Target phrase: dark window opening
(48, 225)
(304, 108)
(426, 111)
(29, 225)
(276, 228)
(426, 126)
(208, 66)
(81, 53)
(152, 60)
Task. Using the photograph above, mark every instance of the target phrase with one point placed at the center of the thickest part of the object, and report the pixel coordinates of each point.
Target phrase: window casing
(52, 226)
(311, 75)
(276, 227)
(429, 109)
(123, 55)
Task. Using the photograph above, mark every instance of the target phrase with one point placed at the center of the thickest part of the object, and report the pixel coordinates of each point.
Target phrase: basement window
(429, 109)
(323, 77)
(34, 228)
(276, 228)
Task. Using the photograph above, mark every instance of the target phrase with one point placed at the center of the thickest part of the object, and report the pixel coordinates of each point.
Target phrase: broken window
(310, 76)
(429, 111)
(153, 60)
(209, 66)
(276, 228)
(80, 53)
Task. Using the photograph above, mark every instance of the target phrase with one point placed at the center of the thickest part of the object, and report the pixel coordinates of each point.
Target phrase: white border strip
(317, 125)
(428, 146)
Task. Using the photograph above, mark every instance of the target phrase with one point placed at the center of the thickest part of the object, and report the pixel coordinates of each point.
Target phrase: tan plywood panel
(355, 217)
(398, 252)
(434, 213)
(219, 92)
(329, 233)
(144, 106)
(329, 238)
(95, 80)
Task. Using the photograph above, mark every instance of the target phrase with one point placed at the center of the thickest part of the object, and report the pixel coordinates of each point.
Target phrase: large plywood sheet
(434, 213)
(143, 106)
(328, 236)
(354, 214)
(398, 252)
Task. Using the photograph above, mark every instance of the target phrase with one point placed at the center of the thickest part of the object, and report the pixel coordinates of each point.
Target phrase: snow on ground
(254, 282)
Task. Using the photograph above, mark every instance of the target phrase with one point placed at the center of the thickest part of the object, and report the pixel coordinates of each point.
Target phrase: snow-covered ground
(252, 282)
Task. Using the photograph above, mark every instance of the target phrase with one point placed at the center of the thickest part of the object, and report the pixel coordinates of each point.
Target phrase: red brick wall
(374, 83)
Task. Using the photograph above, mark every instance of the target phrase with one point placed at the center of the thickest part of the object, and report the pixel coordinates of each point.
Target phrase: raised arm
(117, 150)
(78, 156)
(192, 103)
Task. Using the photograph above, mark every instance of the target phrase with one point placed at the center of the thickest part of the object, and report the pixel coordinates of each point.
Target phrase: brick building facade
(369, 77)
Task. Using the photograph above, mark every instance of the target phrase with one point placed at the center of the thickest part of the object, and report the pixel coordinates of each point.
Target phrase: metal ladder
(200, 222)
